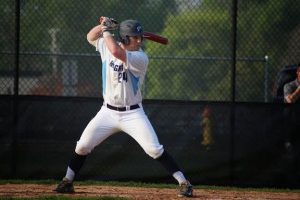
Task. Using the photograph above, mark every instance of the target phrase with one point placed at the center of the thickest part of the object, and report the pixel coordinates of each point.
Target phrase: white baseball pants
(107, 122)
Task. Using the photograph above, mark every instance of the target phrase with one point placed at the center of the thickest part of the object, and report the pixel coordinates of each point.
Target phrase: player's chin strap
(168, 162)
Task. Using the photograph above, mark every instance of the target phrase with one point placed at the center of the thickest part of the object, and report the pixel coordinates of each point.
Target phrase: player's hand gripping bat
(110, 23)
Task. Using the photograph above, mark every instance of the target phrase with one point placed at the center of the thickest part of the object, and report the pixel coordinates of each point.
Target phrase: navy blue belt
(121, 109)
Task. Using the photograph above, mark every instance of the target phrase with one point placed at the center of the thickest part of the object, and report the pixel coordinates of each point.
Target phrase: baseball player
(124, 65)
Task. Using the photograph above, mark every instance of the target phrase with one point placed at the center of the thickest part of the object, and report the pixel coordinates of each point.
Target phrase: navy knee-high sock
(168, 162)
(77, 162)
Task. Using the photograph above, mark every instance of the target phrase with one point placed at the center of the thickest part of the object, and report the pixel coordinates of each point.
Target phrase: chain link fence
(43, 45)
(219, 51)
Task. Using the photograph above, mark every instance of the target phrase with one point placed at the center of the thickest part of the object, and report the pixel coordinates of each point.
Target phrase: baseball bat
(155, 38)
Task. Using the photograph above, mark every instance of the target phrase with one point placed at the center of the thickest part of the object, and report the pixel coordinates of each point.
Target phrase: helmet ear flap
(126, 40)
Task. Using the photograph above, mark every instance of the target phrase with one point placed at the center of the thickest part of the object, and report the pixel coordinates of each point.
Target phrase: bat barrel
(155, 38)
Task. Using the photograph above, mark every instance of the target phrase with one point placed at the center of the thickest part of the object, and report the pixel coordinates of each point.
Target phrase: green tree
(69, 20)
(7, 34)
(264, 28)
(188, 72)
(183, 70)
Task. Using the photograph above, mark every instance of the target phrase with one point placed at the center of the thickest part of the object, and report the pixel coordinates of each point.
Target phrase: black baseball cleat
(185, 189)
(65, 186)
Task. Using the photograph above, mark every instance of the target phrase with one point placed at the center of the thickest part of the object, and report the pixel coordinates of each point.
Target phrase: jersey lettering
(117, 68)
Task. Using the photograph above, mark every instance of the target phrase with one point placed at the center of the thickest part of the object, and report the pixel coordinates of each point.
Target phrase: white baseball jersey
(121, 82)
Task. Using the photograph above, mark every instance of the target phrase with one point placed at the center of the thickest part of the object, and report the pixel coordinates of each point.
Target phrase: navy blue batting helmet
(129, 28)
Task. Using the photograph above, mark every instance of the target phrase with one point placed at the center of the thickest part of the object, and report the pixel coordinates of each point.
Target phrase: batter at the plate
(124, 66)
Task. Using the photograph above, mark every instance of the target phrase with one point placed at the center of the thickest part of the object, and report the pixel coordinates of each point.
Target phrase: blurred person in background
(291, 91)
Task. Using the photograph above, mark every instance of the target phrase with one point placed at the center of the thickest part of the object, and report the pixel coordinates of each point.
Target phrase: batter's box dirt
(140, 193)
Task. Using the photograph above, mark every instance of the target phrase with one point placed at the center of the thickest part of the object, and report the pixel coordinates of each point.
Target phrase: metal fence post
(14, 145)
(233, 85)
(266, 78)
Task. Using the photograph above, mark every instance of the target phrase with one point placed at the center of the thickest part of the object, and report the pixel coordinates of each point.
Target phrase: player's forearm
(94, 34)
(295, 95)
(114, 48)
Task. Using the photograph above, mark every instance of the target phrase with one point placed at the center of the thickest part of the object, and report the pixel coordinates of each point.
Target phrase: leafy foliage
(196, 65)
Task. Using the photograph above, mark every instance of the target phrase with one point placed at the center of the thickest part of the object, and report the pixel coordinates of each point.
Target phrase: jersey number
(122, 77)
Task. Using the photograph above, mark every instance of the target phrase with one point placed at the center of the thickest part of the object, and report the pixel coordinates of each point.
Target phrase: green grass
(91, 182)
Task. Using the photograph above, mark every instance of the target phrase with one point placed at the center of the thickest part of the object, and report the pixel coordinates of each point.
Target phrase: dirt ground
(138, 193)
